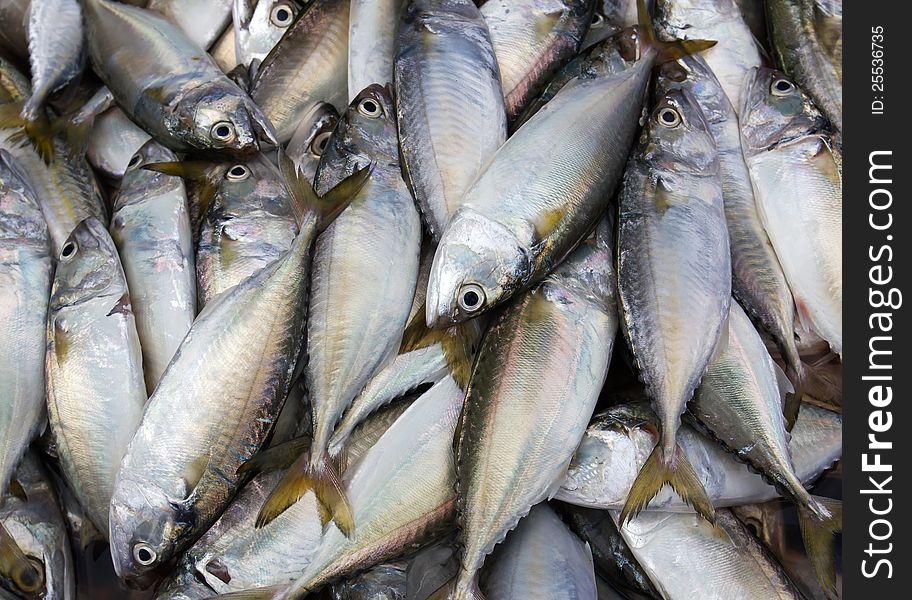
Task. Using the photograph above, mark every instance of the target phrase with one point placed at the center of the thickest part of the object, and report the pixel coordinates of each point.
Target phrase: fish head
(677, 136)
(218, 117)
(259, 25)
(478, 264)
(691, 73)
(311, 139)
(366, 134)
(774, 109)
(143, 530)
(88, 266)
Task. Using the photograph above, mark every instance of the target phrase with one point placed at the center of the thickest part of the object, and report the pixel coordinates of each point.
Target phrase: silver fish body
(449, 102)
(306, 67)
(371, 43)
(614, 448)
(37, 526)
(248, 226)
(201, 20)
(168, 85)
(541, 558)
(686, 557)
(113, 141)
(516, 225)
(25, 286)
(736, 52)
(386, 582)
(674, 266)
(55, 49)
(151, 227)
(796, 171)
(95, 387)
(180, 470)
(365, 264)
(258, 27)
(758, 282)
(532, 39)
(536, 380)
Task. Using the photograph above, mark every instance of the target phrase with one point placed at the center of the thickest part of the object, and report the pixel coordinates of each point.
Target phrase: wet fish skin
(532, 39)
(95, 386)
(306, 67)
(113, 141)
(56, 54)
(25, 286)
(14, 33)
(169, 85)
(616, 444)
(371, 43)
(686, 557)
(534, 386)
(150, 226)
(180, 470)
(791, 155)
(674, 269)
(201, 20)
(258, 27)
(805, 50)
(758, 282)
(541, 558)
(38, 528)
(310, 139)
(449, 102)
(500, 242)
(248, 226)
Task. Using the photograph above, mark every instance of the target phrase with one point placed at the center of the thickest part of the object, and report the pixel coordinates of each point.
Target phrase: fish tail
(820, 519)
(664, 467)
(323, 478)
(792, 405)
(36, 130)
(667, 51)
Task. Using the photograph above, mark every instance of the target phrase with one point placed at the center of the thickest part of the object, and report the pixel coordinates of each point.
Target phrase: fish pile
(409, 299)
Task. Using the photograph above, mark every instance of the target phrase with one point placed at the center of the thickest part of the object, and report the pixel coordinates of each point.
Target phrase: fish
(306, 67)
(739, 403)
(181, 97)
(258, 27)
(150, 226)
(735, 54)
(372, 31)
(687, 557)
(541, 558)
(56, 53)
(385, 581)
(235, 554)
(180, 470)
(807, 42)
(758, 282)
(449, 103)
(532, 40)
(499, 242)
(612, 558)
(534, 387)
(201, 20)
(619, 440)
(310, 139)
(95, 387)
(249, 225)
(33, 521)
(14, 33)
(25, 286)
(364, 272)
(114, 140)
(674, 280)
(791, 155)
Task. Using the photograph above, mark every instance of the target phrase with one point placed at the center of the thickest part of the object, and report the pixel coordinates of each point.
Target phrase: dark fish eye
(281, 15)
(318, 146)
(237, 173)
(471, 297)
(68, 251)
(782, 87)
(223, 131)
(134, 160)
(30, 580)
(597, 20)
(668, 117)
(144, 554)
(369, 108)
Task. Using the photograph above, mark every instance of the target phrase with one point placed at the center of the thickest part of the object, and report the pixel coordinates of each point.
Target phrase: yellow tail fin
(820, 521)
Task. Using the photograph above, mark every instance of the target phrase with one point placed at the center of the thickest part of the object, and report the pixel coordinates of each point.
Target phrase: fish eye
(668, 117)
(134, 160)
(30, 580)
(471, 297)
(597, 19)
(281, 15)
(223, 131)
(237, 173)
(370, 108)
(69, 250)
(319, 143)
(782, 87)
(144, 554)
